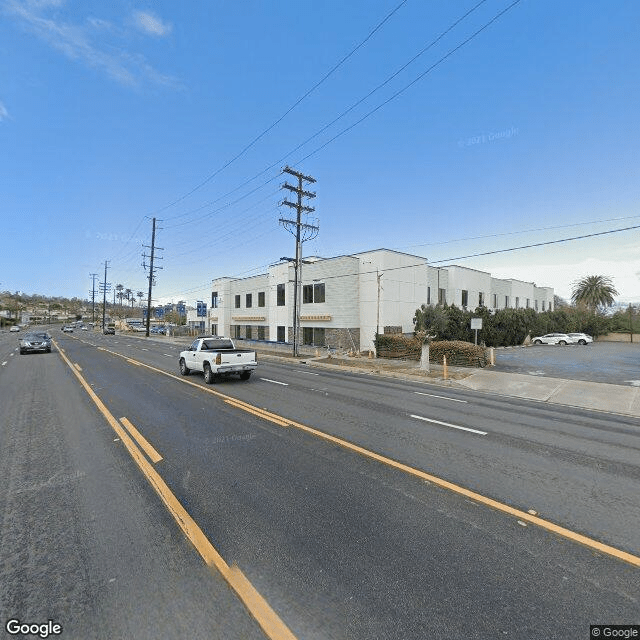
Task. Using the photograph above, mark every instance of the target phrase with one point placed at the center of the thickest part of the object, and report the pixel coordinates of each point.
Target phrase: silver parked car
(35, 342)
(581, 338)
(552, 338)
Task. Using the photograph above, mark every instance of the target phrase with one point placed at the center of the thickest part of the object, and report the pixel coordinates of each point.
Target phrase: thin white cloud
(4, 114)
(80, 43)
(150, 24)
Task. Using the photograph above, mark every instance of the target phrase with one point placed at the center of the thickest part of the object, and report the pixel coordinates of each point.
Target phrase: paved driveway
(612, 362)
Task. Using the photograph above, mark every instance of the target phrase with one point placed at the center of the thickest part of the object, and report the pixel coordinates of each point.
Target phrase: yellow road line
(440, 482)
(153, 455)
(257, 606)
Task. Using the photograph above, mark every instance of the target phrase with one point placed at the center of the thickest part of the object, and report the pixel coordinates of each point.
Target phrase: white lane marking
(168, 355)
(453, 426)
(433, 395)
(144, 349)
(309, 373)
(5, 362)
(284, 384)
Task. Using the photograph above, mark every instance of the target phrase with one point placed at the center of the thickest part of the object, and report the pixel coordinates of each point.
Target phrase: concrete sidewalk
(573, 393)
(597, 396)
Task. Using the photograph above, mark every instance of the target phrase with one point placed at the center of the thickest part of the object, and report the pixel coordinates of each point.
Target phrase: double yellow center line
(257, 606)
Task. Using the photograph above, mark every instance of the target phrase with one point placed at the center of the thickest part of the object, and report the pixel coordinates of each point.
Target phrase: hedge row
(458, 352)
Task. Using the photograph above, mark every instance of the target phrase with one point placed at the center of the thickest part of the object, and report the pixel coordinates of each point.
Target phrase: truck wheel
(208, 374)
(184, 370)
(245, 375)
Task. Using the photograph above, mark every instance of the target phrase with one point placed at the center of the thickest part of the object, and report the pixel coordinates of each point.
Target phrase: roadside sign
(476, 324)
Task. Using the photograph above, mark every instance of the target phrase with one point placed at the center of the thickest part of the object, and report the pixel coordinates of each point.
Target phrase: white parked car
(553, 338)
(581, 338)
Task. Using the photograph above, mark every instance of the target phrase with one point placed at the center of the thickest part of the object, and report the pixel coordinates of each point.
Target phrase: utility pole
(105, 286)
(93, 276)
(302, 233)
(152, 274)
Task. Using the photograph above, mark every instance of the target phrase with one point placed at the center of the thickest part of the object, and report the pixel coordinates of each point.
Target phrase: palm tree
(593, 292)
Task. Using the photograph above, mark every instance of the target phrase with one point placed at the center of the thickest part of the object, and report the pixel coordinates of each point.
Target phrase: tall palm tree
(593, 292)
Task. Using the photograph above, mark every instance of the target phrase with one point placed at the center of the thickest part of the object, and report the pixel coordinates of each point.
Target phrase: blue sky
(113, 113)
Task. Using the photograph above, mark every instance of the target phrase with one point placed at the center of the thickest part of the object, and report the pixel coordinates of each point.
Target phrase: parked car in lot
(580, 338)
(14, 329)
(553, 338)
(35, 342)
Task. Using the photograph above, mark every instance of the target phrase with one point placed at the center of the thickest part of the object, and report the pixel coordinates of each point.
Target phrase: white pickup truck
(216, 357)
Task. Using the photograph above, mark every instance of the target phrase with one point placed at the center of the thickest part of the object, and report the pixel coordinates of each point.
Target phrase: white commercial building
(347, 299)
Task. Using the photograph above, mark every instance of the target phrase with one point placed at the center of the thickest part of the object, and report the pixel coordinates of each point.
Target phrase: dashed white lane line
(168, 355)
(309, 373)
(432, 395)
(5, 362)
(284, 384)
(453, 426)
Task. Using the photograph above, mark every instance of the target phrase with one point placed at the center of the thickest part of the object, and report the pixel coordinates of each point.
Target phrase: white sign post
(476, 323)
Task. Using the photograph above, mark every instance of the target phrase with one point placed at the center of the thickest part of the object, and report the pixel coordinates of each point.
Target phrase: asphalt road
(340, 545)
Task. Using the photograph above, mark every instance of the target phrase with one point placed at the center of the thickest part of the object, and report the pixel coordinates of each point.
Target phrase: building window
(280, 297)
(237, 302)
(428, 295)
(313, 336)
(261, 333)
(506, 302)
(214, 299)
(481, 299)
(495, 300)
(214, 329)
(307, 293)
(517, 302)
(313, 293)
(465, 298)
(248, 332)
(261, 299)
(249, 300)
(528, 303)
(535, 302)
(543, 305)
(442, 296)
(281, 333)
(236, 331)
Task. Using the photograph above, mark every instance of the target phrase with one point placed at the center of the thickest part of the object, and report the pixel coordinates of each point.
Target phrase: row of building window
(311, 293)
(464, 300)
(314, 336)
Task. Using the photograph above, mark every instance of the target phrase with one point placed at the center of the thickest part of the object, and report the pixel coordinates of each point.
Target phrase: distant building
(346, 299)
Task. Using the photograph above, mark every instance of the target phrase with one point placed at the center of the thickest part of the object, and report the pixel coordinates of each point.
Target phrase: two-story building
(345, 300)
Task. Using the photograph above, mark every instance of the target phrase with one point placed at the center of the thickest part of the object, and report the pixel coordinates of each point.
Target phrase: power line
(337, 118)
(515, 233)
(370, 113)
(286, 113)
(414, 81)
(537, 244)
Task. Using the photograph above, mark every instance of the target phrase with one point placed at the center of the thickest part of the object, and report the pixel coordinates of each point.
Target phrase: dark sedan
(34, 342)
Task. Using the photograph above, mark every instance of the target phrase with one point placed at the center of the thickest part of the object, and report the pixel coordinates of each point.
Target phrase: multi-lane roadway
(304, 503)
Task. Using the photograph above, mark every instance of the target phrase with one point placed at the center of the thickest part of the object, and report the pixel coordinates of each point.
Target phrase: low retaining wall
(618, 337)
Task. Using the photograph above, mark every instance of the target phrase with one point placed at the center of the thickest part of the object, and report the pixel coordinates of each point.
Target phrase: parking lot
(611, 362)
